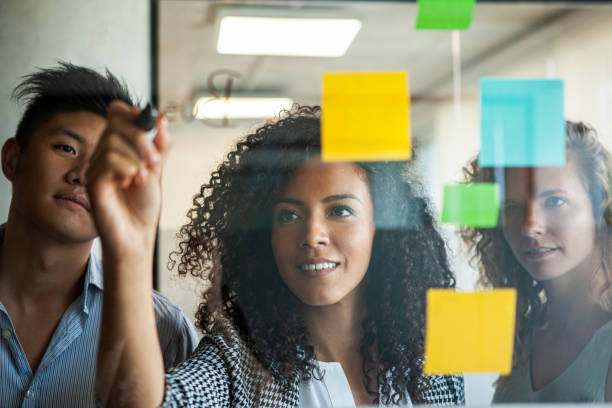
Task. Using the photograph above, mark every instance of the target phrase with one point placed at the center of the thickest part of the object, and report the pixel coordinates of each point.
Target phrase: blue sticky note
(522, 123)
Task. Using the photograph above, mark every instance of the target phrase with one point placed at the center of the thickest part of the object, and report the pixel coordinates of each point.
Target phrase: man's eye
(65, 148)
(554, 202)
(286, 216)
(342, 211)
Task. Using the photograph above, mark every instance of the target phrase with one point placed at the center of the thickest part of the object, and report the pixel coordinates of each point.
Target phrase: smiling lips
(317, 267)
(538, 252)
(79, 199)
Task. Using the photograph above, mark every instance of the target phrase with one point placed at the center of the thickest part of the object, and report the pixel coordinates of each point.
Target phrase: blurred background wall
(94, 33)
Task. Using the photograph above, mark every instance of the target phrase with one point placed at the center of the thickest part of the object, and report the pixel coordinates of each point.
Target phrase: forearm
(124, 185)
(130, 365)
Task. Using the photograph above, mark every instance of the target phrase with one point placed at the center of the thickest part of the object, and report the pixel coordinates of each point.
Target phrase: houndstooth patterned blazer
(223, 373)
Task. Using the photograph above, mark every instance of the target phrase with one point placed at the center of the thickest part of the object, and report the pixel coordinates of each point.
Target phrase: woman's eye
(286, 216)
(342, 211)
(65, 148)
(554, 202)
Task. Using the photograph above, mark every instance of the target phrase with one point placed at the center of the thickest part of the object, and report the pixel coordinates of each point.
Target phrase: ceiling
(387, 41)
(499, 35)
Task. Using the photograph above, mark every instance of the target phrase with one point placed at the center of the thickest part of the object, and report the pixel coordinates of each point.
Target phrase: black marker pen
(146, 121)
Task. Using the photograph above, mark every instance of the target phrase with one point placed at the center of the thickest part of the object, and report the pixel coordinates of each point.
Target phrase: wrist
(131, 252)
(127, 272)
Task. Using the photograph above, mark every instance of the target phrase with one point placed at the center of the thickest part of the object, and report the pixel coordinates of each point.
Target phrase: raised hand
(123, 182)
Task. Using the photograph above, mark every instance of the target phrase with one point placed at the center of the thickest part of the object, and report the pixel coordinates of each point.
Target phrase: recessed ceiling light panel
(311, 37)
(239, 107)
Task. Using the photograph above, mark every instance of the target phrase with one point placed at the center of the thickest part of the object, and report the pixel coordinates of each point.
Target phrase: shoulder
(445, 390)
(202, 380)
(176, 333)
(164, 305)
(606, 343)
(598, 365)
(608, 391)
(169, 314)
(222, 373)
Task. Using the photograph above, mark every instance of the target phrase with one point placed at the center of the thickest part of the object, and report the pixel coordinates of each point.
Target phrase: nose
(316, 232)
(533, 224)
(76, 174)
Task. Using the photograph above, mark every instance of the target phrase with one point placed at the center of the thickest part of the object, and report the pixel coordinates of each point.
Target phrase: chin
(74, 232)
(320, 303)
(545, 275)
(318, 299)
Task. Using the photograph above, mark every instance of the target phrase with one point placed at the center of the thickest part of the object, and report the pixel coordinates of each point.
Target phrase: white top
(332, 391)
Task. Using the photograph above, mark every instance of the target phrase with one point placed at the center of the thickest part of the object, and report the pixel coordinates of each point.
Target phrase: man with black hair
(50, 279)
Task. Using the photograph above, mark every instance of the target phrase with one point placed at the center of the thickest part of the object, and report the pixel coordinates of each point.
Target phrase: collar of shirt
(93, 279)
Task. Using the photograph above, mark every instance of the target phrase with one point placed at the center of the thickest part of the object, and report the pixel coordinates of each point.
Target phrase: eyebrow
(551, 192)
(334, 197)
(73, 135)
(542, 194)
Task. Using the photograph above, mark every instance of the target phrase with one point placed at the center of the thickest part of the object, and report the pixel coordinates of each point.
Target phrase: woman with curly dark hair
(553, 245)
(317, 279)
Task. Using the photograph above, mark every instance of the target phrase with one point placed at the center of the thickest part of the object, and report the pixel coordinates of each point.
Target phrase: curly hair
(498, 266)
(227, 242)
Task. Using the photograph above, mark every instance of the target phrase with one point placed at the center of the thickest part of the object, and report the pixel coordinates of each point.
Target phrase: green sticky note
(471, 205)
(445, 14)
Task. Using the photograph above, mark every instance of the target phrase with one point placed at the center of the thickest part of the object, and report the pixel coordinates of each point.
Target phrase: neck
(572, 298)
(335, 330)
(36, 269)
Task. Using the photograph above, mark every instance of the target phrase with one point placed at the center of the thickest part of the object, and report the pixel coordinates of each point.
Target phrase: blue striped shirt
(65, 376)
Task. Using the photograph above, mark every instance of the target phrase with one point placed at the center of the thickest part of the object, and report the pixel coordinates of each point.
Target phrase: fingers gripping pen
(146, 121)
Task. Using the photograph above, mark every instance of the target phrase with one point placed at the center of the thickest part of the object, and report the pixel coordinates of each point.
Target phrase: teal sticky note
(521, 123)
(471, 205)
(444, 14)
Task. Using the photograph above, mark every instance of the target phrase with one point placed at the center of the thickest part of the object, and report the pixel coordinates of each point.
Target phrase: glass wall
(520, 70)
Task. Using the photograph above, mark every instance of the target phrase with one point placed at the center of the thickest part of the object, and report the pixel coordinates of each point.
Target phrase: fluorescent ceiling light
(239, 108)
(311, 37)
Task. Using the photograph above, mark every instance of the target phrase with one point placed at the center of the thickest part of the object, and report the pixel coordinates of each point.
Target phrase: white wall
(94, 33)
(196, 151)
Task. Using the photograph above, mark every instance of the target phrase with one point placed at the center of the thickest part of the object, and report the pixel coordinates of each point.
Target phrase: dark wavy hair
(227, 243)
(498, 266)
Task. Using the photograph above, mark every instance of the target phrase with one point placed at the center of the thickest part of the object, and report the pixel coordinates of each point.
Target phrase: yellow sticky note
(469, 332)
(365, 117)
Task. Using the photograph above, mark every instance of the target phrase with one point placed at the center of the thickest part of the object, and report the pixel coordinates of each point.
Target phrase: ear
(10, 157)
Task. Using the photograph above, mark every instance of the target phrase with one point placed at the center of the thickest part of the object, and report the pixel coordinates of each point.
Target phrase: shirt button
(30, 394)
(6, 334)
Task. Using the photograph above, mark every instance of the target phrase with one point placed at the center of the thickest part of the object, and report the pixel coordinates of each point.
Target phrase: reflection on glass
(534, 41)
(553, 246)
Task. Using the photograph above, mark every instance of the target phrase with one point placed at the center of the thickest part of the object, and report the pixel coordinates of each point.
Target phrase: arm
(124, 187)
(445, 391)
